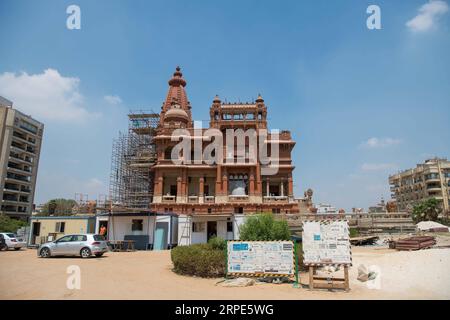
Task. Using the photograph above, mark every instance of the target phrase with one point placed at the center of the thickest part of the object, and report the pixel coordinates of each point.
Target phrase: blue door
(160, 237)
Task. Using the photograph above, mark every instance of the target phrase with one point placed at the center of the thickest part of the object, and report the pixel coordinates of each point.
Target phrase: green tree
(426, 210)
(8, 224)
(264, 227)
(59, 207)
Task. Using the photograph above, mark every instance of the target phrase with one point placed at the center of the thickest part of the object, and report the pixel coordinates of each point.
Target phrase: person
(103, 231)
(3, 245)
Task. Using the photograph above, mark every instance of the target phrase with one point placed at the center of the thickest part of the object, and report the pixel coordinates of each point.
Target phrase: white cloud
(113, 99)
(380, 142)
(377, 166)
(45, 96)
(427, 16)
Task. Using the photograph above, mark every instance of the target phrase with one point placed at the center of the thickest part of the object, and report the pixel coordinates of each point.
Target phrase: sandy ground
(147, 275)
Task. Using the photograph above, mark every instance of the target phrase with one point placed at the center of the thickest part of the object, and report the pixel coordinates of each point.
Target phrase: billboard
(261, 258)
(326, 242)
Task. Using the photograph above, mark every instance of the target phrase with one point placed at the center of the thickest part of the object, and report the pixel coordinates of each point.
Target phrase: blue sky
(361, 103)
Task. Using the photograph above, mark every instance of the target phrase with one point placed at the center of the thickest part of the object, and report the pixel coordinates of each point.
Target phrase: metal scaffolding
(133, 155)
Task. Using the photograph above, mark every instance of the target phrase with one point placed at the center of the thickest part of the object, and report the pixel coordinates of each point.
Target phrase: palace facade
(234, 186)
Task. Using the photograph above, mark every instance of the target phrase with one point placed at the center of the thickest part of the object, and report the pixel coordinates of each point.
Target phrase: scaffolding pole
(133, 155)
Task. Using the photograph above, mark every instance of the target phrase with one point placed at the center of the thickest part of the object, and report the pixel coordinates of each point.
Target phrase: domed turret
(176, 113)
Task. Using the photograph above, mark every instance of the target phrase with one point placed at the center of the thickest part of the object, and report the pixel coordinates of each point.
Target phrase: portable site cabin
(149, 230)
(200, 228)
(49, 228)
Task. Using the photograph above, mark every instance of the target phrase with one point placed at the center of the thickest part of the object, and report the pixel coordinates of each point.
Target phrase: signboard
(326, 242)
(260, 258)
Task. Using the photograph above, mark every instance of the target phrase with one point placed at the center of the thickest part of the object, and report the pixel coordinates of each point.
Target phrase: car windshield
(11, 235)
(98, 237)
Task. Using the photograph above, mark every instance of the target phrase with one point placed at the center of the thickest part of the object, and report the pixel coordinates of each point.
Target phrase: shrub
(200, 260)
(217, 243)
(264, 227)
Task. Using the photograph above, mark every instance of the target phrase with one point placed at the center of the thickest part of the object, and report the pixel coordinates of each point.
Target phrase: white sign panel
(326, 242)
(261, 257)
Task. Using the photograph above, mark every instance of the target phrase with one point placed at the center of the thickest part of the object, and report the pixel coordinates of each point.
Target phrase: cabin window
(198, 226)
(137, 225)
(60, 226)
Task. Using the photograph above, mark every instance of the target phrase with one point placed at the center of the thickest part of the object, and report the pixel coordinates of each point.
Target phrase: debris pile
(365, 274)
(432, 226)
(415, 243)
(362, 241)
(238, 282)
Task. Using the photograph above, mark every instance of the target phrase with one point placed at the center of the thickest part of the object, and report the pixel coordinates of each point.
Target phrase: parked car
(12, 242)
(84, 245)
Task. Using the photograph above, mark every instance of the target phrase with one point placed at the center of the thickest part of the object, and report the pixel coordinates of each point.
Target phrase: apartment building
(20, 146)
(430, 179)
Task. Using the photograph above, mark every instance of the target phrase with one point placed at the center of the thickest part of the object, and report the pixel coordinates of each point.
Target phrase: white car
(12, 242)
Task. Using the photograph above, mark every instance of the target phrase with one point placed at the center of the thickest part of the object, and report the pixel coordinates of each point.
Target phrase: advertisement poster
(326, 242)
(261, 257)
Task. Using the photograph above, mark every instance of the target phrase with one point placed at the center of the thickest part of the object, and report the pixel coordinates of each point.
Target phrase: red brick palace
(197, 188)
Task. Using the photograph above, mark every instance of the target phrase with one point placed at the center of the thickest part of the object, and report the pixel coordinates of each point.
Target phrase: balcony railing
(275, 199)
(193, 199)
(169, 199)
(238, 198)
(209, 199)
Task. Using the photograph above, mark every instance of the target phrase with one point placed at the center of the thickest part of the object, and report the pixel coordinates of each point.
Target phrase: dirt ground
(147, 275)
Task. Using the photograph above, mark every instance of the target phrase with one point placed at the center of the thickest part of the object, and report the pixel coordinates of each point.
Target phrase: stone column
(201, 187)
(258, 186)
(290, 186)
(267, 187)
(225, 185)
(218, 181)
(201, 190)
(179, 187)
(158, 184)
(251, 182)
(282, 187)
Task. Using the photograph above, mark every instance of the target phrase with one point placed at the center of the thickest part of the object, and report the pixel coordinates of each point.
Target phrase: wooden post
(311, 277)
(346, 282)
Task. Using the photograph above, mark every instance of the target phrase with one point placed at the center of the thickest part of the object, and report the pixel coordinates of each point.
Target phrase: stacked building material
(415, 243)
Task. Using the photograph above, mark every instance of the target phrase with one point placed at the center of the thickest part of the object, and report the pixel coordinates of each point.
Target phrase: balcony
(14, 179)
(238, 198)
(169, 199)
(275, 199)
(193, 199)
(210, 199)
(19, 170)
(433, 187)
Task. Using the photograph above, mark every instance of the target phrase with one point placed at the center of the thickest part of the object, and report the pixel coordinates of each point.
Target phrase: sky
(361, 103)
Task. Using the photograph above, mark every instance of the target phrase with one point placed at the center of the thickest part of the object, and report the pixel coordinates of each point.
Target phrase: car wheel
(17, 249)
(85, 253)
(98, 255)
(45, 253)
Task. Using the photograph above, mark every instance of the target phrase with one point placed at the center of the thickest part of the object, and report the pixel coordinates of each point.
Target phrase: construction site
(133, 155)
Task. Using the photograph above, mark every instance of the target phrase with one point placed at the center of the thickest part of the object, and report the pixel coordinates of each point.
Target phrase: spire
(176, 94)
(259, 99)
(177, 104)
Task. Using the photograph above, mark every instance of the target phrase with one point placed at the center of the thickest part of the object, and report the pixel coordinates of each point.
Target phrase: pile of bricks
(415, 243)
